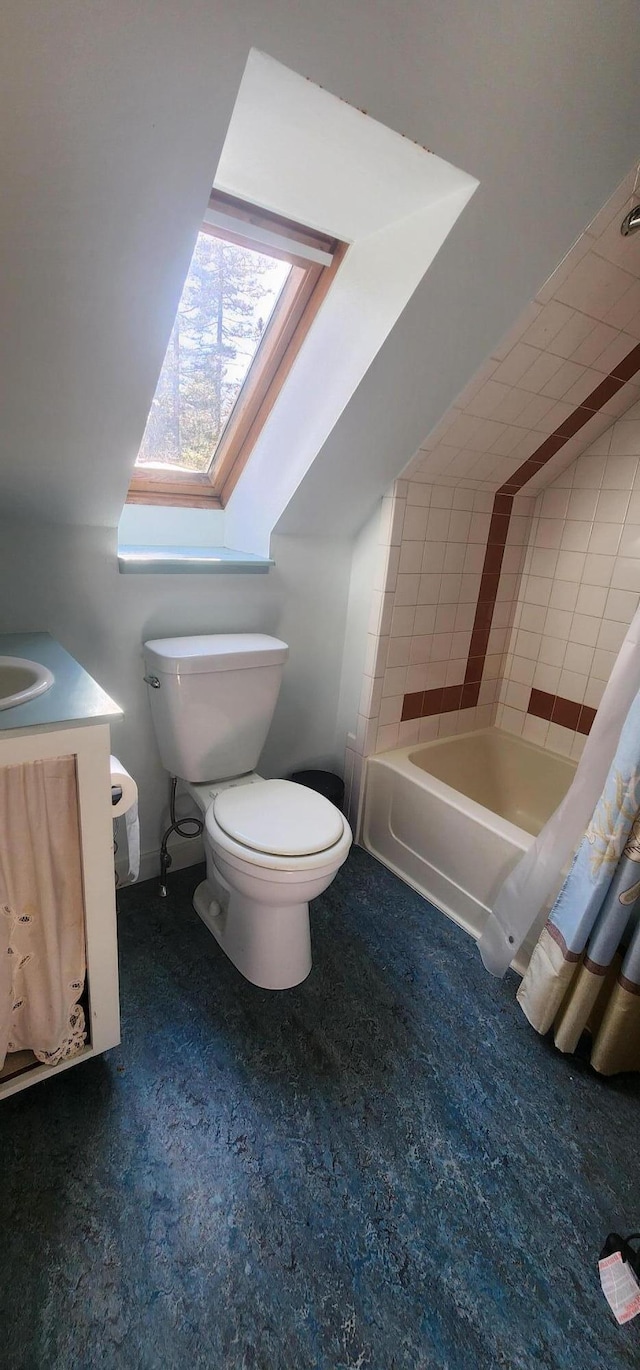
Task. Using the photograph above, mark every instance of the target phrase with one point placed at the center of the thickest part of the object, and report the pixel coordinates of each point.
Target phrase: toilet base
(270, 944)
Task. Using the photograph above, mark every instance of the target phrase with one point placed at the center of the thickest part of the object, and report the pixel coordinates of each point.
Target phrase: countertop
(74, 697)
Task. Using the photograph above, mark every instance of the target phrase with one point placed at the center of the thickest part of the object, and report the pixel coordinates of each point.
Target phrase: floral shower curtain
(585, 969)
(42, 945)
(533, 883)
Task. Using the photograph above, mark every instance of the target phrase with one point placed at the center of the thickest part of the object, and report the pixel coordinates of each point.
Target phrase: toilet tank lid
(213, 652)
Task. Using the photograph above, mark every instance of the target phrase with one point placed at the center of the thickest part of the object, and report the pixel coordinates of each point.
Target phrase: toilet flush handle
(153, 681)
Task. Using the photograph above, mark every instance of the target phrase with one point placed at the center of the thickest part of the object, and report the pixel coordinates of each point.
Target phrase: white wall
(65, 581)
(114, 115)
(310, 585)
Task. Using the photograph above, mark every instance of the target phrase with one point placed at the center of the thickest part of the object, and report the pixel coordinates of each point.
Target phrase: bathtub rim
(399, 759)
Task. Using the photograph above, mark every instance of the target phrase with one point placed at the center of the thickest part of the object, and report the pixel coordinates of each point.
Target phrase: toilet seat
(275, 867)
(278, 818)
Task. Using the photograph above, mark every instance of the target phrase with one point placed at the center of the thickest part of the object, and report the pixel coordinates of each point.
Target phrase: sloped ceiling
(567, 369)
(113, 116)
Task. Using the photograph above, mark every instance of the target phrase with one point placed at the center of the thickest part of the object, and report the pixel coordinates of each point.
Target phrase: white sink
(21, 680)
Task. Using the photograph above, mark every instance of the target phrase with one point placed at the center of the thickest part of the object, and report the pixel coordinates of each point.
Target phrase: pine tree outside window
(254, 286)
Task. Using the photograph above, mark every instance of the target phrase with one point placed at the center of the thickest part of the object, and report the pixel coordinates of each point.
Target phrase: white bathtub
(453, 817)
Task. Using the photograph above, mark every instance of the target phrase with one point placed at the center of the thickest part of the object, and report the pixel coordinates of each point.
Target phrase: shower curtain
(42, 945)
(533, 884)
(584, 972)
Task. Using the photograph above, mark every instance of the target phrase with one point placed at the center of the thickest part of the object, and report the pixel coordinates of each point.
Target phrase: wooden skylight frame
(314, 266)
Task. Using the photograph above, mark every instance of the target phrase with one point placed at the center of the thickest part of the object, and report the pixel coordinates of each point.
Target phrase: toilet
(270, 845)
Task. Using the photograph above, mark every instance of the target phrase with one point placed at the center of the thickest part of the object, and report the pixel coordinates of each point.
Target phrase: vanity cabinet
(72, 720)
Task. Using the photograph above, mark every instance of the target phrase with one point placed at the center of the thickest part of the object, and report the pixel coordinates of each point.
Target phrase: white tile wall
(561, 613)
(583, 600)
(584, 320)
(431, 610)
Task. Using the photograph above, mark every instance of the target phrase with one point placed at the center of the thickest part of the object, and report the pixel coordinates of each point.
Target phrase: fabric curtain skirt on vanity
(42, 938)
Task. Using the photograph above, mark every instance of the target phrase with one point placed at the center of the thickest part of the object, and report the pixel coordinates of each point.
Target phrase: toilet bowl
(271, 847)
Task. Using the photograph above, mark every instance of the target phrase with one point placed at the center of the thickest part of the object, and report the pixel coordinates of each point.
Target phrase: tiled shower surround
(568, 588)
(495, 602)
(422, 659)
(578, 593)
(433, 546)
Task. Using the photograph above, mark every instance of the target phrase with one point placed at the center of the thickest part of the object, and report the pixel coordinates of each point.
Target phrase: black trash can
(324, 782)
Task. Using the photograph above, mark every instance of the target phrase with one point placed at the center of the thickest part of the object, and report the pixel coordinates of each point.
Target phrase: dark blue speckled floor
(384, 1168)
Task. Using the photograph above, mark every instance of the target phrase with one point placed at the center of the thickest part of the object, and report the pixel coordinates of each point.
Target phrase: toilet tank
(213, 701)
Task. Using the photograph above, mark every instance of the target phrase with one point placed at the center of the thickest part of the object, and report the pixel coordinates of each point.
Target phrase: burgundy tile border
(603, 392)
(576, 421)
(587, 717)
(423, 703)
(541, 704)
(553, 708)
(444, 700)
(566, 712)
(450, 698)
(629, 365)
(412, 705)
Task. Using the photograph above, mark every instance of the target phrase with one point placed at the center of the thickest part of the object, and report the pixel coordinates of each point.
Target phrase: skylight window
(254, 285)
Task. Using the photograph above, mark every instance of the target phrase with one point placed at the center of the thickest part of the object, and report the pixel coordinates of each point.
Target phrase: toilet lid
(278, 817)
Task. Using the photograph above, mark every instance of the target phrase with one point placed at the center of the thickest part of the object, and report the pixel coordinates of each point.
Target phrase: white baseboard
(188, 852)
